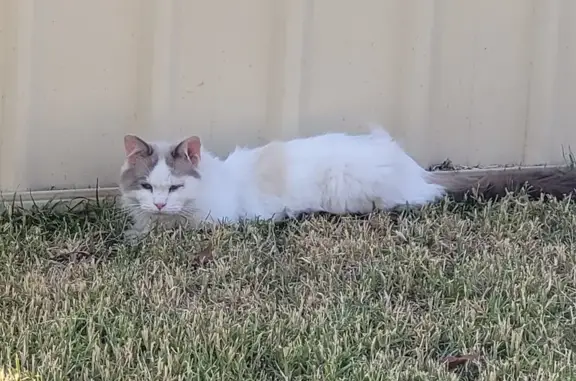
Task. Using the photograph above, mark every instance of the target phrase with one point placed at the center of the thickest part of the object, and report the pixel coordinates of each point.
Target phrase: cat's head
(160, 178)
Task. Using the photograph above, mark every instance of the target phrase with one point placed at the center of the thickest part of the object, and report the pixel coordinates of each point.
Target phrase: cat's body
(335, 173)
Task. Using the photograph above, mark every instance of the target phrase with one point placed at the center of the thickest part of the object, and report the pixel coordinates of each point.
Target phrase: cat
(182, 183)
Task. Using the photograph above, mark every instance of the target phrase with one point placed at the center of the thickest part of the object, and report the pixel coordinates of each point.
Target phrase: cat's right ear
(134, 146)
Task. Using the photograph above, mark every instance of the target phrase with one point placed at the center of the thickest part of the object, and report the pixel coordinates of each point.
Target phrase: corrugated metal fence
(478, 81)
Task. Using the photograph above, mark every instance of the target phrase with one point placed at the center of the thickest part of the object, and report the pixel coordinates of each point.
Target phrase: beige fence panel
(477, 81)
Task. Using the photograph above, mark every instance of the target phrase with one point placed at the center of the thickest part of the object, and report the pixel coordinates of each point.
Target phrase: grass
(385, 297)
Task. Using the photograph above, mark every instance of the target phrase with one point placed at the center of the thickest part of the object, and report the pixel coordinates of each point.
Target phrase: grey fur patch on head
(144, 162)
(179, 163)
(132, 177)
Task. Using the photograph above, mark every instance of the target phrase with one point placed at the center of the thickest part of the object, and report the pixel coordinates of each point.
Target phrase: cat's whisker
(126, 205)
(130, 208)
(190, 209)
(194, 213)
(188, 215)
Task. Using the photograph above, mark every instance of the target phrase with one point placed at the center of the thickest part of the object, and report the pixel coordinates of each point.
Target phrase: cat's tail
(554, 181)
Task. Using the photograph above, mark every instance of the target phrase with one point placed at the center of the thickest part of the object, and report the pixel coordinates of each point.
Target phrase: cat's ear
(190, 149)
(133, 146)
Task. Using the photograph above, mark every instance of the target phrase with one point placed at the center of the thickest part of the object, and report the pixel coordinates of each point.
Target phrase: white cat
(337, 173)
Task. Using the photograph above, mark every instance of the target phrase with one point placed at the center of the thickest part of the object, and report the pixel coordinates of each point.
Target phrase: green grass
(379, 298)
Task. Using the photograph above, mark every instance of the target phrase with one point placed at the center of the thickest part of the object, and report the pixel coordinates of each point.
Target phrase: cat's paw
(133, 236)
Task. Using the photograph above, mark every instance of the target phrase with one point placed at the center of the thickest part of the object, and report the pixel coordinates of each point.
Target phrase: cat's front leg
(139, 229)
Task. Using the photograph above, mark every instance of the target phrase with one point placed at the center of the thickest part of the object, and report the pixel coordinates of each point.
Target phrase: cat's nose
(160, 205)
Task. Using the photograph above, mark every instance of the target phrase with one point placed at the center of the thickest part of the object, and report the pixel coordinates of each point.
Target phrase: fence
(478, 81)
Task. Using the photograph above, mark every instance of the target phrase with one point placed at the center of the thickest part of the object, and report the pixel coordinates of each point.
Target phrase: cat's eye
(146, 186)
(175, 188)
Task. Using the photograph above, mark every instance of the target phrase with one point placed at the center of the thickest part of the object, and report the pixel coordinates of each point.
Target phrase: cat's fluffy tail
(554, 181)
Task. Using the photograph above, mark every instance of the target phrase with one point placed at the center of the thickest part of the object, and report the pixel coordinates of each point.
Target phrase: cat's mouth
(157, 213)
(162, 213)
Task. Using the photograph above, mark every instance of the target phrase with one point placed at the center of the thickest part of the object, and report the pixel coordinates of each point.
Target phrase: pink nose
(160, 205)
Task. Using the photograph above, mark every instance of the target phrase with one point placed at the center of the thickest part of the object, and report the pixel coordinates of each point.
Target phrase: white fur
(336, 173)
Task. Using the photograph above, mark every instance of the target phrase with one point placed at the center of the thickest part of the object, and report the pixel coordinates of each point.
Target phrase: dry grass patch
(386, 297)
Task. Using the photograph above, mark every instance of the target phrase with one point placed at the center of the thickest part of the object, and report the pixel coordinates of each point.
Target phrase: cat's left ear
(190, 149)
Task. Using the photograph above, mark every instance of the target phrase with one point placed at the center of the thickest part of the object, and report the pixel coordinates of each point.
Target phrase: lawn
(383, 297)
